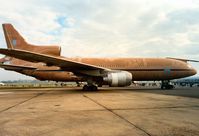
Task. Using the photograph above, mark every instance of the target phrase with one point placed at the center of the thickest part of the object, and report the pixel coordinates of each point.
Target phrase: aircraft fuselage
(142, 69)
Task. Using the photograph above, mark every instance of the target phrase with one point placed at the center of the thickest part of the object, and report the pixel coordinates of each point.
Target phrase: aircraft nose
(194, 71)
(1, 60)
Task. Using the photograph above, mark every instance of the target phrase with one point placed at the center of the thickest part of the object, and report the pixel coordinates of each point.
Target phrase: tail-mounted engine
(118, 79)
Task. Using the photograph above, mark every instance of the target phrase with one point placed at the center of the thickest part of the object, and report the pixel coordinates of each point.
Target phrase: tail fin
(13, 39)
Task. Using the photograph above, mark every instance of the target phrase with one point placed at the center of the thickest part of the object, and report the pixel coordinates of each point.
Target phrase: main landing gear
(78, 84)
(166, 85)
(90, 88)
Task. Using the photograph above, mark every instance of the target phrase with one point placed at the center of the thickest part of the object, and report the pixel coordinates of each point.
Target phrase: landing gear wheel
(93, 88)
(166, 85)
(85, 88)
(90, 88)
(170, 87)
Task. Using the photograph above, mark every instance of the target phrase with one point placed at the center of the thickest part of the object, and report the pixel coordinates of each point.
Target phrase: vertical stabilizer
(15, 41)
(13, 38)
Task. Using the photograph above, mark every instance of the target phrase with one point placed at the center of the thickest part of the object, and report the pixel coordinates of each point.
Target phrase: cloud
(101, 28)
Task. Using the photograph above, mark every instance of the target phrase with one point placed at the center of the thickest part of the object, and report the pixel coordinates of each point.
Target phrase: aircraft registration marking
(14, 42)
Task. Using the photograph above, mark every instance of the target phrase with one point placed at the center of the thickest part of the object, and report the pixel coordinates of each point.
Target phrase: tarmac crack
(121, 117)
(39, 94)
(154, 108)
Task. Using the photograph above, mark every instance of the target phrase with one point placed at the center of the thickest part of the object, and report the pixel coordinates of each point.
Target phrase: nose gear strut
(166, 85)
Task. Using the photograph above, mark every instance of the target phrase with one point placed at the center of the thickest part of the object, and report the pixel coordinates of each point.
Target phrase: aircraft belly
(156, 75)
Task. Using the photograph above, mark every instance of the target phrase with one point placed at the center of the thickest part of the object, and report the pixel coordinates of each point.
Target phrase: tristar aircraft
(45, 63)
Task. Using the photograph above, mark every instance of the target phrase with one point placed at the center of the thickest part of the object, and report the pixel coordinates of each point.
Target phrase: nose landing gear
(166, 85)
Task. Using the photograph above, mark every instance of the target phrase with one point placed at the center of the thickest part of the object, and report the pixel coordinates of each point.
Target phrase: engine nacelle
(118, 79)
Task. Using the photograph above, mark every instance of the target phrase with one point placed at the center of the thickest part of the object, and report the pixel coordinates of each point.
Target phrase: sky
(106, 28)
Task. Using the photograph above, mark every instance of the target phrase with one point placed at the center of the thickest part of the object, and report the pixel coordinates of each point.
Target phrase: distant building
(191, 81)
(2, 84)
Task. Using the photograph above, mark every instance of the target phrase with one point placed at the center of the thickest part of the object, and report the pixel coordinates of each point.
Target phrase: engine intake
(118, 79)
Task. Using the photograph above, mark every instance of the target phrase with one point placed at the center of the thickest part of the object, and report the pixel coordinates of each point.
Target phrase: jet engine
(118, 79)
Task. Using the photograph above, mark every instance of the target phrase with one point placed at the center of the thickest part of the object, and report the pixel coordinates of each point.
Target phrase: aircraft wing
(63, 63)
(16, 67)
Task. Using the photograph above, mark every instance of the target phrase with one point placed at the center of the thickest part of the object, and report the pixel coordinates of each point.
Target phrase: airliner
(46, 63)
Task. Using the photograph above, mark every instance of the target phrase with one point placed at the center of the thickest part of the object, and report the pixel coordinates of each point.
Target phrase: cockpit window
(7, 62)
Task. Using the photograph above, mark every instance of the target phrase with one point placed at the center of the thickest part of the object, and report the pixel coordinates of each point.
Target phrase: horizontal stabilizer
(16, 67)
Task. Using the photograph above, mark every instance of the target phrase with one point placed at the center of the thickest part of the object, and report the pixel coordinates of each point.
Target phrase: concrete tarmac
(108, 112)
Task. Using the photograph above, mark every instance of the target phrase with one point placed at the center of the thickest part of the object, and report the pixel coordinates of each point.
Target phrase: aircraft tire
(90, 88)
(85, 88)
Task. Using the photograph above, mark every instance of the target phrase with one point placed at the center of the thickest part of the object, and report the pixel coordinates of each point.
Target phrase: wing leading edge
(63, 63)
